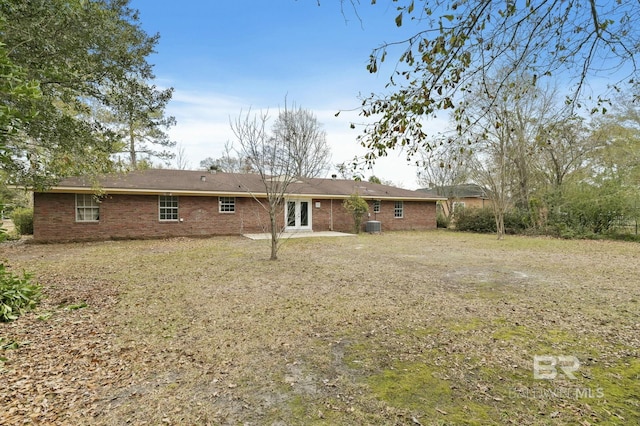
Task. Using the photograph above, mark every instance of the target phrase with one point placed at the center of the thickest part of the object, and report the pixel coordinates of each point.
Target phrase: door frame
(298, 216)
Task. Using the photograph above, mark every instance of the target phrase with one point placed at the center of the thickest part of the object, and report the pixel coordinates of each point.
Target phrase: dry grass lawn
(428, 328)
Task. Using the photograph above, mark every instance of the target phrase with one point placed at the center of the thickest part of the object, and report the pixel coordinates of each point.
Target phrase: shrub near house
(23, 220)
(357, 206)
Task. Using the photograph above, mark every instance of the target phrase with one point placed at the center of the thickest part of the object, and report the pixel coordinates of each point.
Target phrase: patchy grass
(400, 328)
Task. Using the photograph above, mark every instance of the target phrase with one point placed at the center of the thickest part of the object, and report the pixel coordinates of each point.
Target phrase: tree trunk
(498, 213)
(132, 147)
(274, 234)
(500, 225)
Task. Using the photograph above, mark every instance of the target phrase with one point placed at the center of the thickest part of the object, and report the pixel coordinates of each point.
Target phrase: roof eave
(203, 193)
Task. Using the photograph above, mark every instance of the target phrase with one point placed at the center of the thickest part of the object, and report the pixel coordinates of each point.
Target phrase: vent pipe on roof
(203, 178)
(334, 176)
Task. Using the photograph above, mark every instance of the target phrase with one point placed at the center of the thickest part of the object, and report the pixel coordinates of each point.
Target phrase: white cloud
(203, 129)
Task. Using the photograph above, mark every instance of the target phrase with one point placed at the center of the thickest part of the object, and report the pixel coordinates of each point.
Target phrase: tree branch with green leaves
(67, 57)
(458, 42)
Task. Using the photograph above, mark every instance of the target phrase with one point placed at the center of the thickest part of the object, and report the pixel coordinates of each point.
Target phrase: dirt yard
(430, 328)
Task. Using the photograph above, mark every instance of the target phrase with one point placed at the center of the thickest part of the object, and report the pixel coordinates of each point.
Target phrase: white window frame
(226, 205)
(89, 206)
(168, 210)
(376, 206)
(457, 205)
(398, 210)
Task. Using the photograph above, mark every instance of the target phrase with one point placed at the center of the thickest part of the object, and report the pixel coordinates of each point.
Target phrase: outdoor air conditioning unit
(373, 226)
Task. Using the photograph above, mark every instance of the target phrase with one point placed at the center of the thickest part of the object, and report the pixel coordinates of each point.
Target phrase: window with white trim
(398, 210)
(168, 207)
(87, 208)
(458, 206)
(376, 206)
(227, 204)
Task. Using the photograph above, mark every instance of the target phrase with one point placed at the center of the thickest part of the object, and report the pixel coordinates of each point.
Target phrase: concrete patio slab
(300, 234)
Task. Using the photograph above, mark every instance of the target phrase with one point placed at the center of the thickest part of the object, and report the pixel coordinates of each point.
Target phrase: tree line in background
(544, 168)
(539, 152)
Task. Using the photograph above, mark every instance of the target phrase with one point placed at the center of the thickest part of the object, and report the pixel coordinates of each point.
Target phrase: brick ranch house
(172, 203)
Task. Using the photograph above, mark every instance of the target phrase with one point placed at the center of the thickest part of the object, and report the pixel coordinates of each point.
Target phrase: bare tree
(530, 110)
(443, 168)
(303, 141)
(209, 164)
(229, 162)
(490, 168)
(500, 137)
(507, 130)
(564, 147)
(182, 163)
(270, 155)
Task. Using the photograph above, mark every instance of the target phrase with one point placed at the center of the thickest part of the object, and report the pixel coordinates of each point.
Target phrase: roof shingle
(188, 182)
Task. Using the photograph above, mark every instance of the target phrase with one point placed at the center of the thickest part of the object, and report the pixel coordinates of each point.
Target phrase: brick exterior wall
(469, 203)
(137, 216)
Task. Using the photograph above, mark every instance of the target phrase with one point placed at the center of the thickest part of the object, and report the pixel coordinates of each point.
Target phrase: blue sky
(224, 57)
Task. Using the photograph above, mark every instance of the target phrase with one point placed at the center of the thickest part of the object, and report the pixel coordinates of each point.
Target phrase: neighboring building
(169, 203)
(467, 195)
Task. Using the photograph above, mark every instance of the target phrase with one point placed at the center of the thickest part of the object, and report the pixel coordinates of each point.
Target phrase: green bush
(357, 206)
(442, 220)
(475, 220)
(23, 220)
(589, 210)
(483, 220)
(516, 221)
(17, 294)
